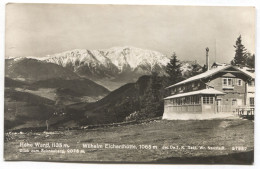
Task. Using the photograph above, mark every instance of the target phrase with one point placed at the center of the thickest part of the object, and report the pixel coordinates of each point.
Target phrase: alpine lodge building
(219, 90)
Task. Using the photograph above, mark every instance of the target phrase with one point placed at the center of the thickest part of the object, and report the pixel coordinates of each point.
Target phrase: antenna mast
(207, 58)
(215, 49)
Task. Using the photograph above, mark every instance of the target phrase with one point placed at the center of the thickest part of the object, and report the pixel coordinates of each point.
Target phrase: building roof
(245, 70)
(212, 72)
(216, 64)
(204, 91)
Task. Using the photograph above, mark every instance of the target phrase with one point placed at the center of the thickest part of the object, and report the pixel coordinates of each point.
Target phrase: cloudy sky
(39, 30)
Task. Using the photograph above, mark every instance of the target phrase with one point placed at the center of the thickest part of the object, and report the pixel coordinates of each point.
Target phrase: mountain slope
(79, 87)
(29, 105)
(14, 83)
(117, 105)
(28, 69)
(26, 110)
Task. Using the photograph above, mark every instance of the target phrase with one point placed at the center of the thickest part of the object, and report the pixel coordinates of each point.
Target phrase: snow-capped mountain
(110, 67)
(134, 57)
(118, 64)
(115, 60)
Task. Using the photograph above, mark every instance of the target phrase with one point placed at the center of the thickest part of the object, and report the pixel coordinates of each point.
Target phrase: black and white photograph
(149, 84)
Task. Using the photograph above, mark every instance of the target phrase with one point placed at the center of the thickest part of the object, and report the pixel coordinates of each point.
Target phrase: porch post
(201, 103)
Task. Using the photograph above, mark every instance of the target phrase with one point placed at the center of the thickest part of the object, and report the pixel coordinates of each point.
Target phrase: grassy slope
(226, 133)
(26, 110)
(22, 107)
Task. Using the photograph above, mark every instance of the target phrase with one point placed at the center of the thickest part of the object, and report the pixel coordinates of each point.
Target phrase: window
(197, 99)
(188, 100)
(211, 100)
(173, 90)
(227, 82)
(178, 101)
(207, 100)
(239, 82)
(192, 100)
(234, 102)
(182, 100)
(251, 83)
(224, 82)
(174, 102)
(252, 101)
(168, 102)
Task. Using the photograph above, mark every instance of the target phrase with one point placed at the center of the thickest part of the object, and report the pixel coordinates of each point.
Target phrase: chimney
(207, 58)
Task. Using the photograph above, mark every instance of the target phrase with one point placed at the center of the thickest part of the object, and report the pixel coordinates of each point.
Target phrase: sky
(42, 29)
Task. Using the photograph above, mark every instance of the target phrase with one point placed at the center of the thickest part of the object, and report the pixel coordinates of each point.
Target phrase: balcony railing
(246, 112)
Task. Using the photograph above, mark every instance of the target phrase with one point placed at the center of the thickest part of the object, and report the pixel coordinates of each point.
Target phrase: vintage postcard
(129, 84)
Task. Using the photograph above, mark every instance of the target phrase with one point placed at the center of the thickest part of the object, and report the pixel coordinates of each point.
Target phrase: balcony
(228, 87)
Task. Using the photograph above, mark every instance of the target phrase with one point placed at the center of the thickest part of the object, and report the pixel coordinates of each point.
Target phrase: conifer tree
(173, 69)
(240, 55)
(152, 97)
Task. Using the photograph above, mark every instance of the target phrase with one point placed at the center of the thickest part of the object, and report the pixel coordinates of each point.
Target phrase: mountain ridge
(29, 69)
(111, 67)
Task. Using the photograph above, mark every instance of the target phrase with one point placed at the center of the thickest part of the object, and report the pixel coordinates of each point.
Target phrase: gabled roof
(244, 70)
(228, 75)
(212, 72)
(204, 91)
(202, 75)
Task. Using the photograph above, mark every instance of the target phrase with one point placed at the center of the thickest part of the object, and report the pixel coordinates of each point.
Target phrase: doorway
(219, 106)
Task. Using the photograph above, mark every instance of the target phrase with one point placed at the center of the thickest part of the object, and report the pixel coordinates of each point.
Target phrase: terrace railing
(246, 112)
